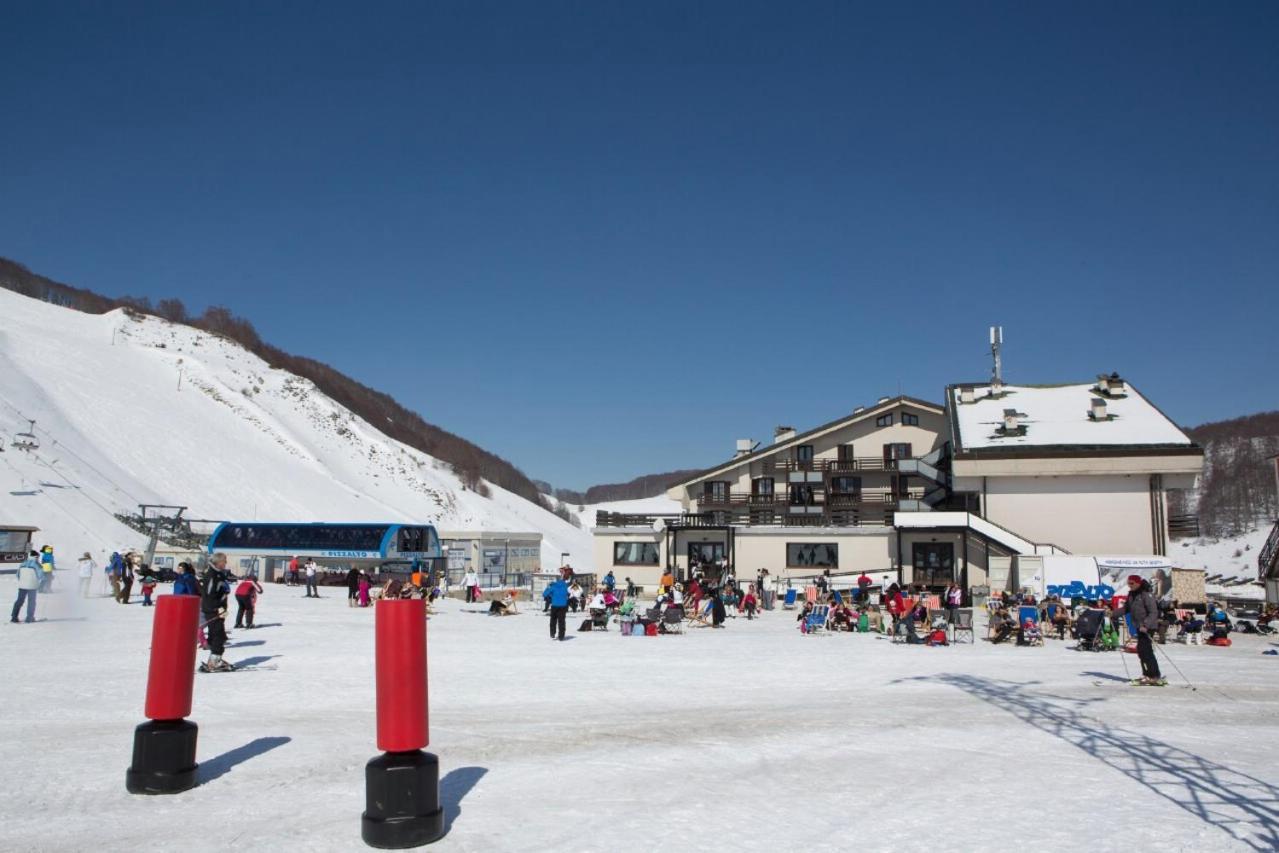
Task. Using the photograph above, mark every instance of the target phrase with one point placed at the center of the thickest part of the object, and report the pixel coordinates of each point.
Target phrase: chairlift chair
(27, 440)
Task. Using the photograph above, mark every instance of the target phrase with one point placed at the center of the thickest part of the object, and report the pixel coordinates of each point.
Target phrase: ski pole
(1168, 658)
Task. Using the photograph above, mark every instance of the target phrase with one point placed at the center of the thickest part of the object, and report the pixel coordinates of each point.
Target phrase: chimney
(1117, 386)
(782, 433)
(967, 395)
(1012, 420)
(1098, 410)
(744, 447)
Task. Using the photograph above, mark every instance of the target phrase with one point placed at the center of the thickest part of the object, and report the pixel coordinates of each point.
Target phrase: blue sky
(608, 239)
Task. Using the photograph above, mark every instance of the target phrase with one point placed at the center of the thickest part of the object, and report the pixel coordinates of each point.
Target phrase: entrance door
(705, 552)
(933, 563)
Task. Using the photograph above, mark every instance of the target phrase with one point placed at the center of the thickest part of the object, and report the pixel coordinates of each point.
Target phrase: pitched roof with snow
(1060, 417)
(785, 444)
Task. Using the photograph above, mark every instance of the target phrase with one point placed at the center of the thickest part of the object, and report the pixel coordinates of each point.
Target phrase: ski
(269, 667)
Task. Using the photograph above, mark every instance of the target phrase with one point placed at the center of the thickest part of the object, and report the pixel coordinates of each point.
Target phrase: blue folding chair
(789, 602)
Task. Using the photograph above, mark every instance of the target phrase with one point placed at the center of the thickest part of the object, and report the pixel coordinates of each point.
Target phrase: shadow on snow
(1244, 806)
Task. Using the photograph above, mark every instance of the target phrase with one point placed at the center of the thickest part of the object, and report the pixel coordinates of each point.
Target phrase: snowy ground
(751, 738)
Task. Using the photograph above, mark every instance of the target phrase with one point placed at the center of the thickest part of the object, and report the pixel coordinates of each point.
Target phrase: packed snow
(131, 411)
(754, 737)
(1058, 415)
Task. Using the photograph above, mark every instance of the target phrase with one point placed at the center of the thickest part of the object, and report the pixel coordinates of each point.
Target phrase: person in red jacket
(896, 604)
(246, 596)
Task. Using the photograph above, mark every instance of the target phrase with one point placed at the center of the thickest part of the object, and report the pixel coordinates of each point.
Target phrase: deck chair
(673, 620)
(816, 621)
(839, 599)
(963, 624)
(810, 594)
(702, 618)
(599, 620)
(789, 602)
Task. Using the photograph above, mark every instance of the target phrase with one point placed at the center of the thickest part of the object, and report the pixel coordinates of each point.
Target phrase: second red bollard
(401, 786)
(164, 749)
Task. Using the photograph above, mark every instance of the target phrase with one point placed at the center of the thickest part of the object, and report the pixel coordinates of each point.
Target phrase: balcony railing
(833, 466)
(781, 500)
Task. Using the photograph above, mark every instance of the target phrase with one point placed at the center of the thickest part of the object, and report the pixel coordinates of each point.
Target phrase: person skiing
(1144, 612)
(213, 599)
(28, 586)
(246, 597)
(557, 595)
(115, 568)
(352, 586)
(46, 569)
(311, 579)
(87, 567)
(126, 576)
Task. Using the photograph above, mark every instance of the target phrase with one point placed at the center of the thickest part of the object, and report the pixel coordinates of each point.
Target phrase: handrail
(1269, 552)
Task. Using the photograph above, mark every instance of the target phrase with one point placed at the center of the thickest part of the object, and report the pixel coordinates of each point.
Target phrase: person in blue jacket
(556, 593)
(186, 583)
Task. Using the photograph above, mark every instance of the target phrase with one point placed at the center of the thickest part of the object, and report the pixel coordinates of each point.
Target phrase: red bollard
(164, 749)
(401, 786)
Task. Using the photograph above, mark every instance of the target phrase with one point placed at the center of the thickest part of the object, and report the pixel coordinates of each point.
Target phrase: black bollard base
(402, 800)
(163, 758)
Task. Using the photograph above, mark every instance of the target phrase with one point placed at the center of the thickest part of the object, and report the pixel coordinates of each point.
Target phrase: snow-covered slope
(133, 411)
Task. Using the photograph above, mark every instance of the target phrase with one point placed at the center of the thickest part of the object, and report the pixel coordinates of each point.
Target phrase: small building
(500, 558)
(15, 542)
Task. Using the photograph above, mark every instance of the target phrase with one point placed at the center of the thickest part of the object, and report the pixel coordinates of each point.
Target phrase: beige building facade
(926, 494)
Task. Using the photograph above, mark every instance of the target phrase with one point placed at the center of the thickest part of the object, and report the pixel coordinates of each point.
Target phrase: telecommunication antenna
(996, 343)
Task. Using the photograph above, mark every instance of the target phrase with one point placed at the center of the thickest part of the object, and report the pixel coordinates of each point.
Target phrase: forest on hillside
(1237, 490)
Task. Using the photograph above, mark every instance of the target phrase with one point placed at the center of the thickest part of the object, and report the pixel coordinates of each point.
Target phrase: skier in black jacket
(214, 588)
(1142, 608)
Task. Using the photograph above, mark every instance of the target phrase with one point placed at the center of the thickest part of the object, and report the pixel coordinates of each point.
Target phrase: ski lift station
(15, 542)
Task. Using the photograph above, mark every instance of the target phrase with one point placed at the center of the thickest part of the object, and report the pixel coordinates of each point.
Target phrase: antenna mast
(996, 343)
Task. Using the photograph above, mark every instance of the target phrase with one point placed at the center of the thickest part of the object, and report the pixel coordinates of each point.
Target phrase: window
(804, 453)
(884, 420)
(715, 490)
(909, 420)
(705, 552)
(801, 494)
(634, 553)
(933, 563)
(762, 487)
(893, 452)
(846, 485)
(805, 554)
(846, 453)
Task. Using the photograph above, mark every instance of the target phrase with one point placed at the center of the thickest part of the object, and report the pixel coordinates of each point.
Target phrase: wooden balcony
(833, 466)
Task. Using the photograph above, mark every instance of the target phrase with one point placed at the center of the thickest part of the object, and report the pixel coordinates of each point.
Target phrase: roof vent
(967, 395)
(882, 400)
(782, 433)
(1098, 410)
(744, 447)
(859, 410)
(1012, 424)
(1111, 386)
